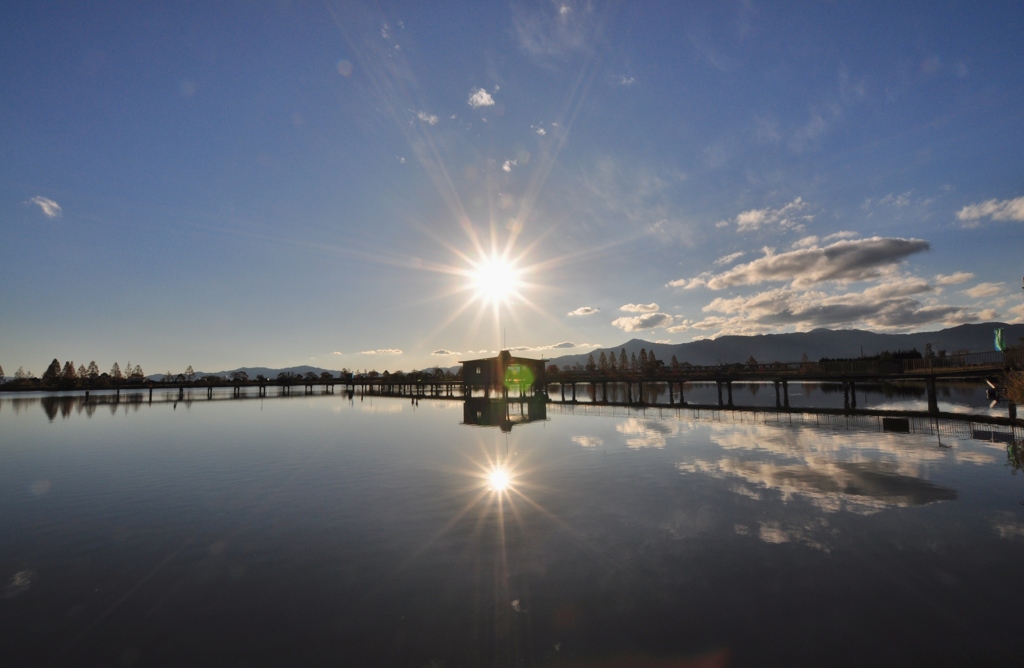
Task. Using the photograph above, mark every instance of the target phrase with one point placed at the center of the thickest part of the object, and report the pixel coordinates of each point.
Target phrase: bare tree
(1, 374)
(115, 372)
(82, 372)
(190, 375)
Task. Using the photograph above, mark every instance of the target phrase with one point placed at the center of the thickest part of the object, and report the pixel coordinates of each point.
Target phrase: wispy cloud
(509, 164)
(844, 261)
(382, 351)
(444, 353)
(49, 208)
(996, 209)
(480, 98)
(623, 80)
(429, 119)
(645, 321)
(584, 310)
(337, 353)
(555, 31)
(639, 308)
(953, 279)
(984, 290)
(730, 258)
(784, 217)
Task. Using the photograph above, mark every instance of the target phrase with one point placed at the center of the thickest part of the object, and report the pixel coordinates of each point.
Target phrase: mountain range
(792, 347)
(815, 344)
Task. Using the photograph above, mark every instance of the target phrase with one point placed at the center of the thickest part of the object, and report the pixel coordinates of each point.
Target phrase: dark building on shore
(504, 371)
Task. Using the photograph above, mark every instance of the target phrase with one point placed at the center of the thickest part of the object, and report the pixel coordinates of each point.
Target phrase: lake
(330, 530)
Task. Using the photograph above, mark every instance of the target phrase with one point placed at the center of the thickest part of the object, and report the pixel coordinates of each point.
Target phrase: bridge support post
(209, 392)
(1012, 408)
(728, 387)
(629, 392)
(671, 394)
(785, 393)
(181, 393)
(562, 386)
(574, 391)
(150, 395)
(778, 399)
(933, 400)
(853, 395)
(719, 384)
(846, 395)
(682, 398)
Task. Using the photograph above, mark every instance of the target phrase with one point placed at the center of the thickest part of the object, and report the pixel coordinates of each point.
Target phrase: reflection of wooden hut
(504, 371)
(503, 413)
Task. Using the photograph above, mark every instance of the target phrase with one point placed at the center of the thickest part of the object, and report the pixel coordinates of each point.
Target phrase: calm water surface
(324, 530)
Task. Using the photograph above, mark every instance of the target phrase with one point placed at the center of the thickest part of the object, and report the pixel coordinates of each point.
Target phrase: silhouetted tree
(602, 362)
(190, 374)
(623, 360)
(928, 354)
(115, 372)
(634, 364)
(240, 376)
(751, 361)
(643, 359)
(52, 372)
(652, 361)
(94, 370)
(21, 374)
(82, 372)
(326, 375)
(611, 362)
(591, 364)
(675, 362)
(1, 374)
(69, 372)
(260, 378)
(310, 375)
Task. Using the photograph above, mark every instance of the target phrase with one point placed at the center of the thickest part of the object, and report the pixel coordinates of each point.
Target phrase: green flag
(1000, 342)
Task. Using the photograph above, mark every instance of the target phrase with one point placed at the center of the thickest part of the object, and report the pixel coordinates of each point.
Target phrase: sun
(498, 479)
(495, 280)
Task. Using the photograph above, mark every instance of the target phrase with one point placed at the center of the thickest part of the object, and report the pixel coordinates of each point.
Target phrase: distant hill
(254, 371)
(816, 344)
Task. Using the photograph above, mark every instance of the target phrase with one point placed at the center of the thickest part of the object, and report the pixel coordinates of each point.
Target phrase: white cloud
(509, 164)
(900, 200)
(443, 352)
(730, 258)
(429, 119)
(984, 290)
(1006, 209)
(401, 160)
(954, 278)
(639, 308)
(1018, 313)
(623, 80)
(891, 305)
(587, 441)
(49, 208)
(337, 353)
(784, 217)
(845, 234)
(541, 131)
(645, 321)
(665, 341)
(843, 261)
(584, 310)
(382, 351)
(480, 98)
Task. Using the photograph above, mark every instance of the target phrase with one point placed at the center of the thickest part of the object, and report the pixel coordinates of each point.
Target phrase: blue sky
(220, 185)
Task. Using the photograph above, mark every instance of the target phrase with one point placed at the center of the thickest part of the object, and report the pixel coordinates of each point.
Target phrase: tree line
(67, 375)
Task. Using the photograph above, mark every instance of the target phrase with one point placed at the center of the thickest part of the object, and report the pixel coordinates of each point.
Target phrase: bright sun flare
(495, 280)
(499, 480)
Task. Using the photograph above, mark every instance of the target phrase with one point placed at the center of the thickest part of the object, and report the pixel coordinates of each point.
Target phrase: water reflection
(383, 532)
